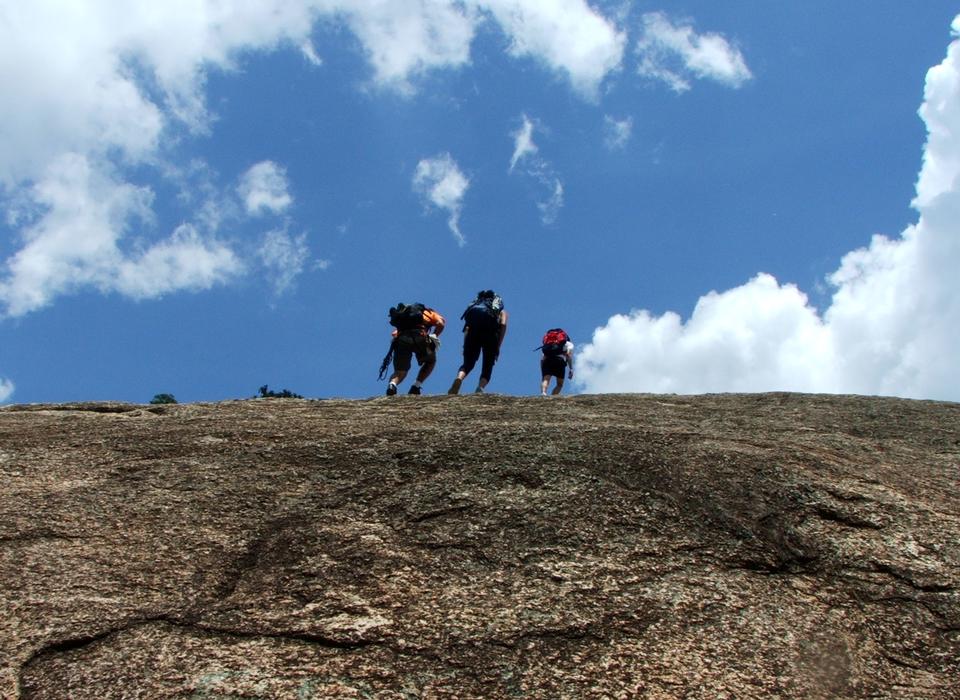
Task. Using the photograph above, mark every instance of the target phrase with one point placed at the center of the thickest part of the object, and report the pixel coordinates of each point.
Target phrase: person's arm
(569, 351)
(503, 327)
(435, 320)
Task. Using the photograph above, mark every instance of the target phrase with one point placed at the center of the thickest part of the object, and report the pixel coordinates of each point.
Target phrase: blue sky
(201, 198)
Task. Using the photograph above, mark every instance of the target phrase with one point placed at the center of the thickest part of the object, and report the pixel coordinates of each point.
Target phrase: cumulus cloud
(263, 188)
(6, 389)
(890, 327)
(758, 336)
(76, 243)
(285, 257)
(442, 184)
(676, 54)
(616, 131)
(107, 84)
(406, 38)
(569, 36)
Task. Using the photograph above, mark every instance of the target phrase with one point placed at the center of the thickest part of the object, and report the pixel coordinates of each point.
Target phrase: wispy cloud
(285, 257)
(264, 188)
(551, 206)
(616, 131)
(537, 168)
(890, 327)
(676, 54)
(309, 52)
(442, 184)
(523, 144)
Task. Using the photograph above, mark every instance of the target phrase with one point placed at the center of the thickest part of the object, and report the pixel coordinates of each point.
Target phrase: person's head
(486, 294)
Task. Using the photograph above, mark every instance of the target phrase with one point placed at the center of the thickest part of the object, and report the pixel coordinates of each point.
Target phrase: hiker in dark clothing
(485, 325)
(413, 336)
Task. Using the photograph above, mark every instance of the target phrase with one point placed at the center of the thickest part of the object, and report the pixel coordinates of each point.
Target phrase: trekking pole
(386, 362)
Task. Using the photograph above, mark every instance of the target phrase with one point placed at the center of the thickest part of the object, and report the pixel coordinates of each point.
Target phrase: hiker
(484, 326)
(557, 356)
(416, 332)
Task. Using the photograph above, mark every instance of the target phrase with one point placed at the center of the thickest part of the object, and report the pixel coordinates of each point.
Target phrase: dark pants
(553, 366)
(473, 344)
(411, 343)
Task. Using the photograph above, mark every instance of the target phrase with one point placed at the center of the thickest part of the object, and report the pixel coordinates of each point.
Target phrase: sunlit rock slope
(734, 546)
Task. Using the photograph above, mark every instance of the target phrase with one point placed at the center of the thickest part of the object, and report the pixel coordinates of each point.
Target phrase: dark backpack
(483, 314)
(405, 317)
(554, 341)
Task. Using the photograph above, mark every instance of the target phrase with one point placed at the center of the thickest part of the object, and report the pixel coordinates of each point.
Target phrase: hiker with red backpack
(484, 326)
(557, 358)
(416, 332)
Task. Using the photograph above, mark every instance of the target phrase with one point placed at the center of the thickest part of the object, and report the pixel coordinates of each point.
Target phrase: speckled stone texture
(730, 546)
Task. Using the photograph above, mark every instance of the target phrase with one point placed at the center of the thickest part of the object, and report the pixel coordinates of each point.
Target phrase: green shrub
(266, 393)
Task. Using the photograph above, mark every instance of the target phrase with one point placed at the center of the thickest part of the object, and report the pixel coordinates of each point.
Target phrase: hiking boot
(455, 387)
(391, 389)
(414, 390)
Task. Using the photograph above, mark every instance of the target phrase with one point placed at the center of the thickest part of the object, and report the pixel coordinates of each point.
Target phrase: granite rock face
(732, 546)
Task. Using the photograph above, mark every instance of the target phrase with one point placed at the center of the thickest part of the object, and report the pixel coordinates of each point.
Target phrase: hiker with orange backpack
(557, 357)
(484, 326)
(416, 332)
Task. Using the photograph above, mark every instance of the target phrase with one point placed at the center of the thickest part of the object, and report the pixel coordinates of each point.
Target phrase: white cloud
(890, 327)
(567, 35)
(264, 187)
(523, 144)
(538, 169)
(550, 207)
(676, 53)
(89, 90)
(75, 243)
(110, 83)
(285, 257)
(6, 389)
(755, 337)
(441, 182)
(186, 260)
(405, 38)
(310, 53)
(616, 131)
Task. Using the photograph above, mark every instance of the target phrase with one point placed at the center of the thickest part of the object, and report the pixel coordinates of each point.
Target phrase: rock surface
(732, 546)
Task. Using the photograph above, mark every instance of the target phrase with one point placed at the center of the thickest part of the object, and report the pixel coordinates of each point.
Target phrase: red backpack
(554, 341)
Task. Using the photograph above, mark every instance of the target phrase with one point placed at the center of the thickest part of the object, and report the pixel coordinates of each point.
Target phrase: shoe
(455, 387)
(478, 390)
(414, 390)
(391, 389)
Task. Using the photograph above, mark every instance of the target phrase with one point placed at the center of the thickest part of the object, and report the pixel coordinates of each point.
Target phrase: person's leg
(425, 371)
(489, 347)
(561, 372)
(471, 353)
(402, 358)
(426, 357)
(544, 383)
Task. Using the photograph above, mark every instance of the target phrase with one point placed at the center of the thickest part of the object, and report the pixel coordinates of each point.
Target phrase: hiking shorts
(473, 344)
(406, 345)
(553, 366)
